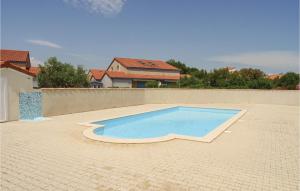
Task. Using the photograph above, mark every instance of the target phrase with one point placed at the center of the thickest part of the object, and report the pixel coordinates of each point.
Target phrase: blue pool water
(189, 121)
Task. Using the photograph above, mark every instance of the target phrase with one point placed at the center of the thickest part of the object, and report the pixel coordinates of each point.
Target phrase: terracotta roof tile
(34, 70)
(146, 64)
(14, 55)
(122, 75)
(274, 76)
(6, 64)
(97, 74)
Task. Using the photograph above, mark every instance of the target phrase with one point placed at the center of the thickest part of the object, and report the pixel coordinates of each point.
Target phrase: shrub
(55, 74)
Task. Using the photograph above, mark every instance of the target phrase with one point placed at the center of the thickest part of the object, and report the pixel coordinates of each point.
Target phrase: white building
(13, 81)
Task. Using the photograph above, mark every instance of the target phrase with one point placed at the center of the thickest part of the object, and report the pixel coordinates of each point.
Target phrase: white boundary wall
(69, 100)
(65, 101)
(16, 83)
(196, 96)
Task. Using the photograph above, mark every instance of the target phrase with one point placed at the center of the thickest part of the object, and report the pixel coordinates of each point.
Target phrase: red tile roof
(34, 70)
(122, 75)
(5, 64)
(14, 55)
(145, 64)
(97, 74)
(274, 76)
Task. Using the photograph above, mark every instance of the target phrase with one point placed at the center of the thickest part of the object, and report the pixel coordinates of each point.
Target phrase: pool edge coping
(89, 132)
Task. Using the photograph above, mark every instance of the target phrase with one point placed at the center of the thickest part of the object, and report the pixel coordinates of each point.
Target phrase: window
(118, 67)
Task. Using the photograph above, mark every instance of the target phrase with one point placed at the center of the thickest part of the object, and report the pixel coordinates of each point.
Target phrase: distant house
(274, 76)
(95, 76)
(134, 73)
(231, 69)
(35, 71)
(17, 57)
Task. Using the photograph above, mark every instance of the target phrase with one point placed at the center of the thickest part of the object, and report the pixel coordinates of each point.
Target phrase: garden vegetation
(246, 78)
(55, 74)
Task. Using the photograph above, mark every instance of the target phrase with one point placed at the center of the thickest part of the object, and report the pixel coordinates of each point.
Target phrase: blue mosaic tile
(30, 105)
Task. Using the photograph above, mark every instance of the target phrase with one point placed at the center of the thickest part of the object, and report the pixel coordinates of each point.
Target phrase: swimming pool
(177, 122)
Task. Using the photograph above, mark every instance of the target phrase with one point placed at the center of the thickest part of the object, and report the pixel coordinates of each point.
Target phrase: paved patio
(260, 152)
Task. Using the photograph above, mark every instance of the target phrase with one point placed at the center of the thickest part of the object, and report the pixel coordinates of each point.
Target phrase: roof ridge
(138, 59)
(14, 50)
(7, 64)
(145, 63)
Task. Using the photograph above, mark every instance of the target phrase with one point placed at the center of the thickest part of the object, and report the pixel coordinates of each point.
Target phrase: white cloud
(286, 60)
(105, 7)
(35, 62)
(44, 43)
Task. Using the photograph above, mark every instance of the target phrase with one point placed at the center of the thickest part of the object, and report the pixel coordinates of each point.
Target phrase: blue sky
(201, 33)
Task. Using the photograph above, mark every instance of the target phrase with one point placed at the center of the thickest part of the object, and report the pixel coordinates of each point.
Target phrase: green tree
(191, 82)
(261, 83)
(289, 81)
(219, 78)
(235, 80)
(251, 74)
(55, 74)
(181, 66)
(255, 79)
(200, 74)
(151, 84)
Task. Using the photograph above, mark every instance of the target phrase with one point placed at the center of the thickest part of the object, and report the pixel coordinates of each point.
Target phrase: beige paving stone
(260, 152)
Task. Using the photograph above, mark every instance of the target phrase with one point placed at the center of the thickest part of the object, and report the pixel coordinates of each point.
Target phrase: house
(95, 76)
(35, 71)
(134, 73)
(21, 59)
(6, 64)
(13, 81)
(231, 69)
(274, 76)
(17, 57)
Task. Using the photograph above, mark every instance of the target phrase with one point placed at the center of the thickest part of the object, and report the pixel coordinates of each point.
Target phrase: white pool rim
(89, 132)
